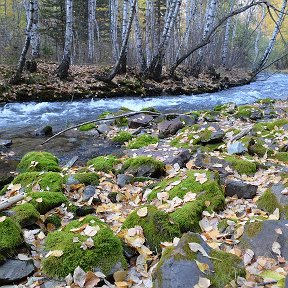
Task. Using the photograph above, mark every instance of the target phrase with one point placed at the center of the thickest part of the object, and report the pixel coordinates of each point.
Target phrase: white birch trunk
(149, 31)
(91, 29)
(113, 28)
(256, 46)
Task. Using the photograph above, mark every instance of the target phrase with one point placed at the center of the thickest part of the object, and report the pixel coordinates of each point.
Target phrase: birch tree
(114, 28)
(123, 62)
(63, 68)
(91, 29)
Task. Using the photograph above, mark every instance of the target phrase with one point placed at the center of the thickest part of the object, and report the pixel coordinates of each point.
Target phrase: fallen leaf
(248, 256)
(91, 280)
(39, 200)
(79, 277)
(23, 257)
(202, 266)
(2, 219)
(54, 253)
(239, 232)
(142, 212)
(276, 248)
(195, 247)
(90, 231)
(201, 177)
(203, 283)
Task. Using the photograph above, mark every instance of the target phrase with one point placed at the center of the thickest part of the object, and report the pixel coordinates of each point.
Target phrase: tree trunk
(256, 46)
(91, 29)
(63, 68)
(15, 79)
(271, 43)
(123, 62)
(113, 28)
(149, 30)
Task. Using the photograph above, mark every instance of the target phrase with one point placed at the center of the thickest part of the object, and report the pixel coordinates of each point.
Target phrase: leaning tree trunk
(15, 79)
(63, 68)
(91, 29)
(271, 43)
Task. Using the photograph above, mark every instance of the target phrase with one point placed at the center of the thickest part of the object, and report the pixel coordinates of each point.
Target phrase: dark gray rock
(145, 170)
(140, 120)
(188, 120)
(168, 128)
(260, 236)
(44, 131)
(216, 134)
(5, 143)
(103, 128)
(276, 190)
(240, 188)
(88, 192)
(256, 115)
(5, 179)
(123, 179)
(236, 148)
(83, 211)
(12, 271)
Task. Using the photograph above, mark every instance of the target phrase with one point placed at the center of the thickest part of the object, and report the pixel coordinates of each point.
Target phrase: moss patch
(282, 156)
(242, 166)
(88, 178)
(25, 214)
(10, 236)
(122, 137)
(157, 226)
(87, 127)
(53, 219)
(142, 141)
(103, 163)
(122, 121)
(253, 229)
(38, 161)
(246, 111)
(45, 201)
(105, 254)
(258, 147)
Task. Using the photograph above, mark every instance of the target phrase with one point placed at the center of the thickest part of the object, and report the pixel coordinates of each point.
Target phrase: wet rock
(168, 128)
(260, 236)
(103, 128)
(12, 271)
(5, 143)
(88, 192)
(178, 268)
(123, 179)
(83, 211)
(240, 188)
(44, 131)
(93, 132)
(5, 179)
(236, 148)
(140, 120)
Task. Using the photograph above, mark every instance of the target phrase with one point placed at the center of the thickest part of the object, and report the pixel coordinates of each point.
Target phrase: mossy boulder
(143, 166)
(157, 226)
(258, 147)
(247, 111)
(242, 166)
(105, 255)
(178, 267)
(122, 121)
(38, 161)
(122, 137)
(54, 220)
(25, 214)
(209, 196)
(104, 163)
(142, 141)
(45, 201)
(10, 236)
(86, 178)
(87, 127)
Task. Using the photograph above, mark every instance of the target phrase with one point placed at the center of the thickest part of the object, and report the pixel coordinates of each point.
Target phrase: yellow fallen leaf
(239, 232)
(39, 200)
(90, 230)
(2, 219)
(121, 284)
(142, 212)
(202, 266)
(54, 253)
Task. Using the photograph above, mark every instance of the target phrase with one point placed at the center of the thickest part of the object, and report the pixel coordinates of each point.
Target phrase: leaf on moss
(54, 253)
(142, 212)
(195, 247)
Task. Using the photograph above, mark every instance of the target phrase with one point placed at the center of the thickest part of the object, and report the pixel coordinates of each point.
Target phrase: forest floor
(82, 84)
(221, 174)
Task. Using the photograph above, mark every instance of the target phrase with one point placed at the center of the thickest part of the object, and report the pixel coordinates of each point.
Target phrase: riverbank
(82, 84)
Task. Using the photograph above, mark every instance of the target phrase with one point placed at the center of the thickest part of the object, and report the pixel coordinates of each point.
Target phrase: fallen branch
(241, 134)
(11, 201)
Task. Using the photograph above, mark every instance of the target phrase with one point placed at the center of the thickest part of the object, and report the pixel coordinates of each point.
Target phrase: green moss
(105, 254)
(142, 141)
(133, 165)
(258, 148)
(268, 202)
(25, 214)
(253, 229)
(186, 137)
(282, 156)
(49, 181)
(122, 137)
(151, 109)
(53, 219)
(245, 111)
(45, 201)
(269, 126)
(87, 127)
(88, 178)
(104, 115)
(38, 161)
(10, 236)
(157, 226)
(122, 121)
(266, 101)
(103, 163)
(242, 166)
(220, 107)
(227, 267)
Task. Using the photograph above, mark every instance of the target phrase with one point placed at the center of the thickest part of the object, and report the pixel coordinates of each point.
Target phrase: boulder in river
(5, 143)
(44, 131)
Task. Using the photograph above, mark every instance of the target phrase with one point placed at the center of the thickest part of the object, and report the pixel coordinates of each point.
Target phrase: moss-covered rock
(246, 111)
(157, 226)
(106, 253)
(186, 137)
(87, 178)
(25, 214)
(122, 121)
(10, 236)
(142, 141)
(242, 166)
(38, 161)
(266, 101)
(54, 220)
(45, 201)
(209, 196)
(282, 156)
(87, 127)
(103, 163)
(259, 147)
(122, 137)
(143, 166)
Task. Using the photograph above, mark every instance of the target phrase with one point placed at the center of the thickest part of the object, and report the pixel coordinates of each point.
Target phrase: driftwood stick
(242, 134)
(11, 201)
(107, 119)
(71, 162)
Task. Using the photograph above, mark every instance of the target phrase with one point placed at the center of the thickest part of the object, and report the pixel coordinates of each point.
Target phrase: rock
(83, 211)
(123, 179)
(44, 131)
(12, 271)
(53, 283)
(5, 143)
(178, 268)
(188, 120)
(165, 153)
(240, 188)
(103, 128)
(88, 192)
(93, 132)
(260, 236)
(211, 133)
(4, 180)
(168, 128)
(140, 120)
(236, 148)
(72, 180)
(256, 115)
